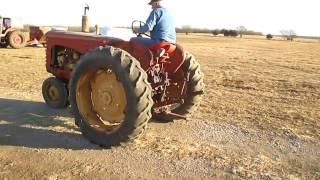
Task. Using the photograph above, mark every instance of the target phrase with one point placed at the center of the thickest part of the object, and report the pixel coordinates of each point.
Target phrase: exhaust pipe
(85, 20)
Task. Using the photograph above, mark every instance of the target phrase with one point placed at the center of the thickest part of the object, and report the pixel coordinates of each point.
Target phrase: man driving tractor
(115, 86)
(160, 24)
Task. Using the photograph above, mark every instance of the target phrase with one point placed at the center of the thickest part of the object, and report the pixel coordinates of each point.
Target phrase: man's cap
(152, 1)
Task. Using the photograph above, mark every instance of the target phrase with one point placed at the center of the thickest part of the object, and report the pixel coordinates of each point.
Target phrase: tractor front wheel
(55, 93)
(16, 39)
(110, 96)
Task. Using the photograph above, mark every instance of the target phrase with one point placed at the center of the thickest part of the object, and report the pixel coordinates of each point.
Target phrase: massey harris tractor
(115, 87)
(10, 35)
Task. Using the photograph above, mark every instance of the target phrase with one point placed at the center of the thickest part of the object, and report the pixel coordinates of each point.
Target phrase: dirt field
(260, 119)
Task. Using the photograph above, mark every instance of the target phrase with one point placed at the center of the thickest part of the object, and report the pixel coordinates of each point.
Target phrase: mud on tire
(138, 99)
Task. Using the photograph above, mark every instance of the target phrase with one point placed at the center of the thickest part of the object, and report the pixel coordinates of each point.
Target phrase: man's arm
(150, 23)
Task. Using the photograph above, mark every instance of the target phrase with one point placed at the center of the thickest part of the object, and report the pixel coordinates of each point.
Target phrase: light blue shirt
(161, 25)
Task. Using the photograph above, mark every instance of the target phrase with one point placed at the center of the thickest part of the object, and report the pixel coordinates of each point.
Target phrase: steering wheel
(136, 25)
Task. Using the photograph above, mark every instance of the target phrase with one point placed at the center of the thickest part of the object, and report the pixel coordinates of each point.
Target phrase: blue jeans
(144, 41)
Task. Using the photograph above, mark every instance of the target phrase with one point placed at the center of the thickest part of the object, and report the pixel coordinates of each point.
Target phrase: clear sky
(267, 16)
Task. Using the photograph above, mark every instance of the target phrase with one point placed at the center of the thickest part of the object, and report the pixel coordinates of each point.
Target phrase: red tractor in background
(38, 35)
(115, 87)
(10, 35)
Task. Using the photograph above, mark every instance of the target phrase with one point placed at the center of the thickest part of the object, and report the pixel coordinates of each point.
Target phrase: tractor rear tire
(110, 97)
(16, 39)
(195, 89)
(55, 93)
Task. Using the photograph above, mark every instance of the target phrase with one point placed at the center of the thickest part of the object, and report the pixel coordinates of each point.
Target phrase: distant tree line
(226, 32)
(189, 29)
(269, 36)
(184, 29)
(288, 34)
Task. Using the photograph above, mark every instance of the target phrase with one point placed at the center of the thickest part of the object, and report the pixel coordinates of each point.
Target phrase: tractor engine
(66, 57)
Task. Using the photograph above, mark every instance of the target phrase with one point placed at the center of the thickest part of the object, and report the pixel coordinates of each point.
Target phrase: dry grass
(260, 83)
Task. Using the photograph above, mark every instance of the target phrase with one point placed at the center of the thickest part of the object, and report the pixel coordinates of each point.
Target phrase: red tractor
(115, 87)
(10, 35)
(38, 35)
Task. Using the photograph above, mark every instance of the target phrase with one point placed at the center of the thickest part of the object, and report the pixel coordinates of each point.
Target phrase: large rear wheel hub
(101, 99)
(17, 39)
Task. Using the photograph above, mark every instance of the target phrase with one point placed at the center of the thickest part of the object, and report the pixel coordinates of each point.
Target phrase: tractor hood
(82, 42)
(121, 33)
(78, 35)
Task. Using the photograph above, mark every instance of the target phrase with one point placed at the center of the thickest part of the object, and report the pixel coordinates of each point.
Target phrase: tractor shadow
(35, 125)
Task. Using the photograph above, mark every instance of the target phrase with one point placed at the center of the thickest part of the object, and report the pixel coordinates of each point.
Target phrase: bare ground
(260, 119)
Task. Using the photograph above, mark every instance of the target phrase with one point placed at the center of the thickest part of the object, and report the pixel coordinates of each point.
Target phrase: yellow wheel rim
(101, 99)
(53, 93)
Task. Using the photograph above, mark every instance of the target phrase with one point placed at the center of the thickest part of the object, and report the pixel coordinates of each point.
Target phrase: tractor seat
(166, 46)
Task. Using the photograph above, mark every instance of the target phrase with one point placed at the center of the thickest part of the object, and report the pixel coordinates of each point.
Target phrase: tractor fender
(9, 30)
(176, 55)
